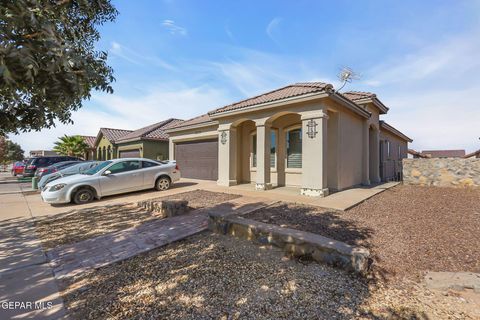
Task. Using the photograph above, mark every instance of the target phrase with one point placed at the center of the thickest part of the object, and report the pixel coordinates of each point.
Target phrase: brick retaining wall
(448, 172)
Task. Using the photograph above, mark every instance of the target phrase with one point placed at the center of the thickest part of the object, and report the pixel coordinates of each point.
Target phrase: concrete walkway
(73, 259)
(342, 200)
(25, 276)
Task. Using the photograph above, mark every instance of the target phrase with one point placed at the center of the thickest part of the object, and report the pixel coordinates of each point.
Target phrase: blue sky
(177, 58)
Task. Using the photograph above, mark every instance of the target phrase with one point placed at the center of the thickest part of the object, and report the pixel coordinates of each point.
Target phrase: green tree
(48, 61)
(12, 152)
(71, 146)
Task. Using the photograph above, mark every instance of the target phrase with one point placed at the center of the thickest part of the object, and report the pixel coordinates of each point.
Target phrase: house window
(399, 152)
(389, 151)
(294, 148)
(254, 150)
(273, 148)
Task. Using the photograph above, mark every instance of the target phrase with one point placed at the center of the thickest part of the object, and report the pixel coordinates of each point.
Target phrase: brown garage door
(198, 159)
(130, 153)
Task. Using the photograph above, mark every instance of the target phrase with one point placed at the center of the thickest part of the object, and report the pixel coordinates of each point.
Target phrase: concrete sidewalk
(25, 276)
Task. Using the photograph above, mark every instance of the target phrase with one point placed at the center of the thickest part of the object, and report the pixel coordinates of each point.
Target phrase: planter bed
(82, 224)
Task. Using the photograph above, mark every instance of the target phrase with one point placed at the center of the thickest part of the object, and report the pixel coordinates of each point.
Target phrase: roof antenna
(345, 75)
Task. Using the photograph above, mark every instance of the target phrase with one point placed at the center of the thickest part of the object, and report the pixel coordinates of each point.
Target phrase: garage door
(130, 153)
(198, 159)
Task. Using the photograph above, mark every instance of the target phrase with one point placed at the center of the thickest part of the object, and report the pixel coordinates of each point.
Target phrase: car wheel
(83, 195)
(163, 183)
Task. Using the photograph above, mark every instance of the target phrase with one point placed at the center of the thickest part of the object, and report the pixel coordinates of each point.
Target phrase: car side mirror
(107, 172)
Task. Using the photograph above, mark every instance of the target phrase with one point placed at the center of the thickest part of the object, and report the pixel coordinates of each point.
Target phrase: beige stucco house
(305, 135)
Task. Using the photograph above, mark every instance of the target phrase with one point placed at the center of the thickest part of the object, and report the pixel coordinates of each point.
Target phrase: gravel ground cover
(81, 224)
(408, 229)
(200, 198)
(211, 276)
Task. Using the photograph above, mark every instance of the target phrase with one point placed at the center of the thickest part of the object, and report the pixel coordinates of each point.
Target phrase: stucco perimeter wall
(448, 172)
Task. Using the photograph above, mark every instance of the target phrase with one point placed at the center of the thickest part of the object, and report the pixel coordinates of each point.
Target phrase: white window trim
(252, 168)
(254, 133)
(287, 130)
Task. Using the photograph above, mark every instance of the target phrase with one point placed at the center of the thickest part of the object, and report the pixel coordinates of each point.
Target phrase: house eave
(193, 126)
(394, 131)
(377, 103)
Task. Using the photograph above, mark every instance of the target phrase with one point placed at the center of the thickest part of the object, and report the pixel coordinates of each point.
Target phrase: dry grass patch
(81, 224)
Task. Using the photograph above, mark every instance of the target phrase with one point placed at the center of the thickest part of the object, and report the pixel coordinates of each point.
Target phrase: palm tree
(71, 146)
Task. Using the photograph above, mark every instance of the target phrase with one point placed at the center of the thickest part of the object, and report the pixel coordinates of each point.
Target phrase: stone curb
(295, 242)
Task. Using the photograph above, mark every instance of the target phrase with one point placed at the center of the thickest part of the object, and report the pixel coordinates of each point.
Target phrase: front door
(125, 176)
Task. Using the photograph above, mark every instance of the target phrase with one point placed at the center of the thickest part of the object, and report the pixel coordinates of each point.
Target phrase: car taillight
(30, 166)
(176, 167)
(42, 169)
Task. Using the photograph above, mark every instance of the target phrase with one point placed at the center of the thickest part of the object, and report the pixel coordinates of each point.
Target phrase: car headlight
(57, 187)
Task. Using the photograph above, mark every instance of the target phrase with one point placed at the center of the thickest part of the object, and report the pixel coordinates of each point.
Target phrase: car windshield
(97, 168)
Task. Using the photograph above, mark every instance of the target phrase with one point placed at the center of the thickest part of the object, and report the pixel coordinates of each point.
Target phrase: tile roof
(90, 140)
(359, 95)
(152, 132)
(113, 134)
(289, 91)
(444, 153)
(193, 121)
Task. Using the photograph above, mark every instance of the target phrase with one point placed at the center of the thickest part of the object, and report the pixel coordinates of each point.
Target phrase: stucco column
(376, 156)
(314, 154)
(263, 157)
(227, 159)
(366, 154)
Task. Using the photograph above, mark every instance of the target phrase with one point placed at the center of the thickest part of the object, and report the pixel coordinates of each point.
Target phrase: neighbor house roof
(154, 131)
(394, 131)
(289, 91)
(416, 153)
(444, 153)
(90, 140)
(111, 135)
(361, 97)
(473, 154)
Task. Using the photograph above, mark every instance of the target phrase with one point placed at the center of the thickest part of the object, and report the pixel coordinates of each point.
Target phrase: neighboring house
(415, 154)
(42, 153)
(444, 153)
(105, 142)
(148, 142)
(305, 135)
(91, 153)
(475, 154)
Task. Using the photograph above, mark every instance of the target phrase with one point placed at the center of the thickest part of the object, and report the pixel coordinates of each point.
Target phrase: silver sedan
(112, 177)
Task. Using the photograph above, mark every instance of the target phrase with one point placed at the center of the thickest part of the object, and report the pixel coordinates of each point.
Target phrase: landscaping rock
(172, 208)
(294, 242)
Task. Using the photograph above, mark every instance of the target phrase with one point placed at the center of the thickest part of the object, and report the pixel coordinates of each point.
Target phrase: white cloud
(117, 111)
(436, 119)
(174, 28)
(454, 57)
(272, 26)
(138, 58)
